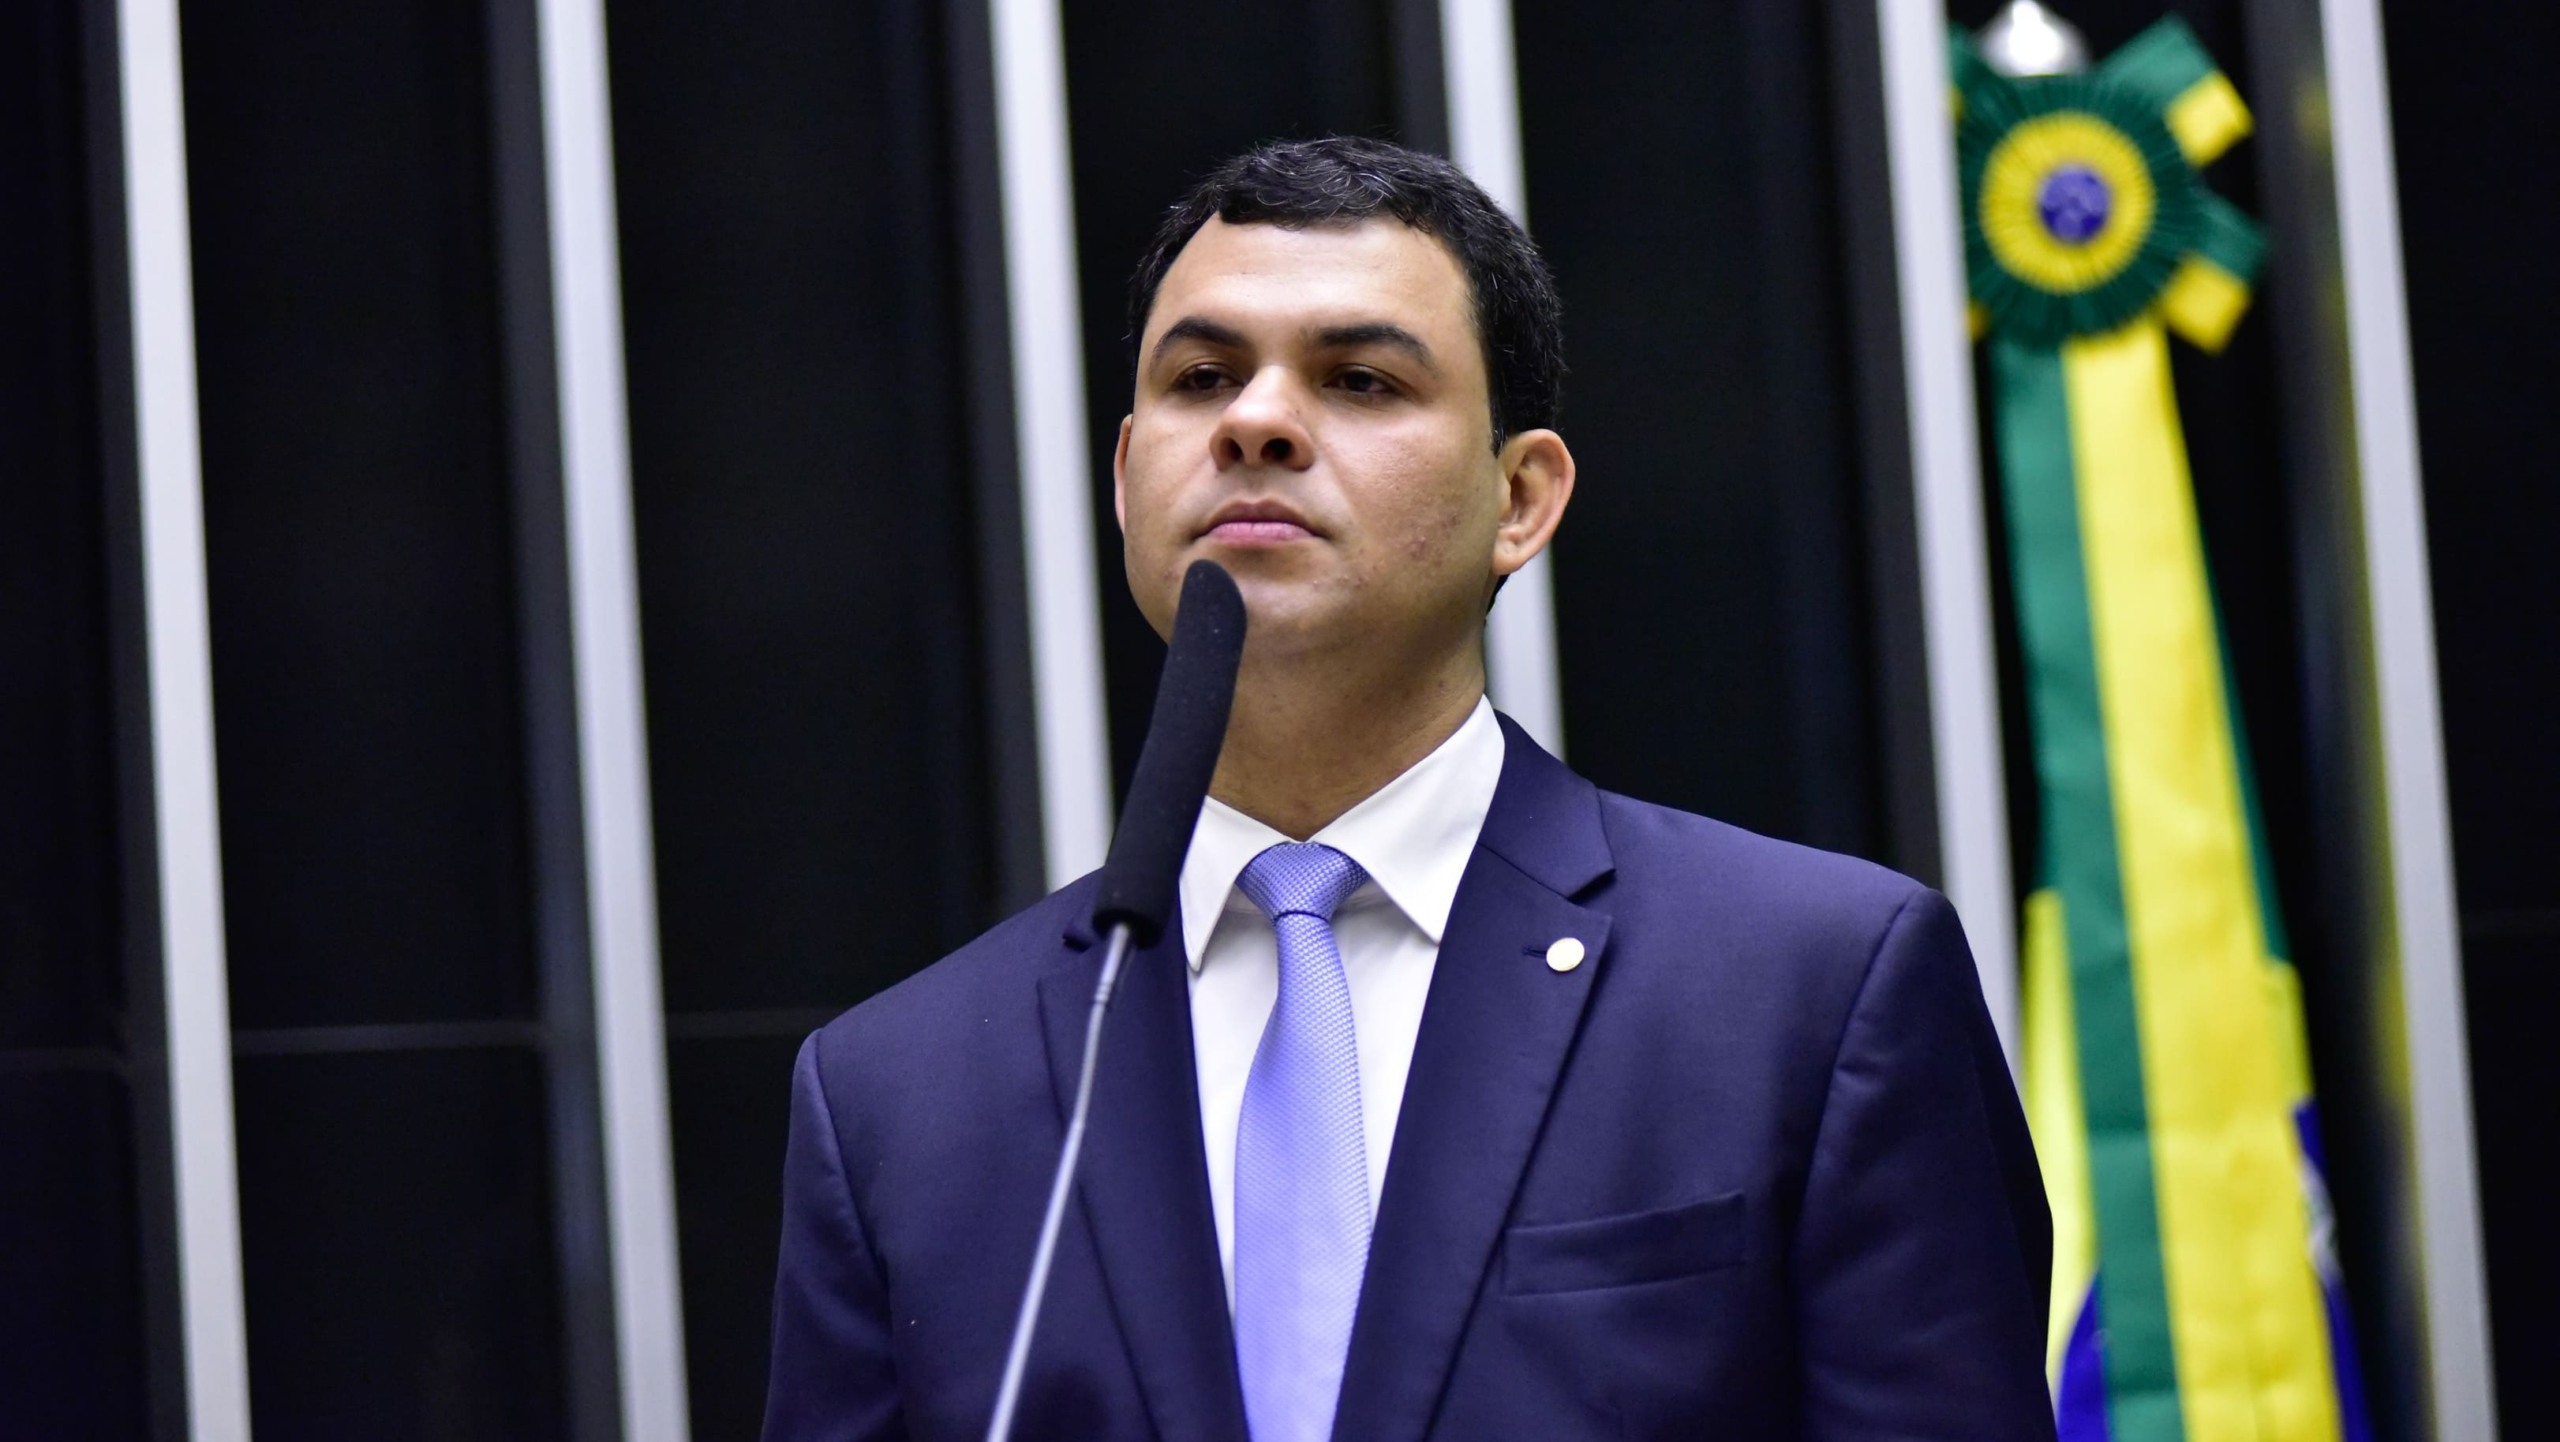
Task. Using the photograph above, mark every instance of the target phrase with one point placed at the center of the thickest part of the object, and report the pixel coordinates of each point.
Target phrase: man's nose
(1265, 425)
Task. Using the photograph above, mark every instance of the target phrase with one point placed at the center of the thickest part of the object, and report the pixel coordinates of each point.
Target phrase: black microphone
(1135, 897)
(1190, 724)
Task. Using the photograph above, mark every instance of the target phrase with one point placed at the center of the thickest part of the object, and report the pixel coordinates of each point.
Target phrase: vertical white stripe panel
(1483, 86)
(212, 1322)
(1049, 435)
(1946, 485)
(2403, 622)
(604, 612)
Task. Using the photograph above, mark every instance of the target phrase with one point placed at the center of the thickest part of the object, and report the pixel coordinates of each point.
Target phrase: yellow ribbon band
(2219, 1080)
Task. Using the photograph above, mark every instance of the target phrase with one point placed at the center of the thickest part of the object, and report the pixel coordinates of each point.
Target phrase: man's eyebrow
(1192, 327)
(1377, 332)
(1332, 337)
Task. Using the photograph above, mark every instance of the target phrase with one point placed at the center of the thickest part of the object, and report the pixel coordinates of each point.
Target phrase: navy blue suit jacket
(1755, 1169)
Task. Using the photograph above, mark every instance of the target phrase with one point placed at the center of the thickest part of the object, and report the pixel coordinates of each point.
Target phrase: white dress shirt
(1413, 836)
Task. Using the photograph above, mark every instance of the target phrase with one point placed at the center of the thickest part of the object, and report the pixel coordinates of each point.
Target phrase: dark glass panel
(728, 1096)
(59, 965)
(2513, 981)
(71, 1350)
(805, 466)
(802, 493)
(396, 1236)
(396, 1216)
(72, 1306)
(356, 513)
(2478, 211)
(1157, 93)
(1711, 624)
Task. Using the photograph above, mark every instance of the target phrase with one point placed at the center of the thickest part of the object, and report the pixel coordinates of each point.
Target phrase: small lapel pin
(1564, 954)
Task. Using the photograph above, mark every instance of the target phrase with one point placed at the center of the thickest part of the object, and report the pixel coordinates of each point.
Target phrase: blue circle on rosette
(2074, 202)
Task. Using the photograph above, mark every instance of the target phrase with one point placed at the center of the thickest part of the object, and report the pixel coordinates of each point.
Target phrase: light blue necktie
(1302, 1168)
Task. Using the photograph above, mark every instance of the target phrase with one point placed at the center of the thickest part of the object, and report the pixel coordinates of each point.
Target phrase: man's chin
(1291, 631)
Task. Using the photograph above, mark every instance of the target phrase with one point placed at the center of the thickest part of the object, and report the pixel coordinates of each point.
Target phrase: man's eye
(1200, 378)
(1363, 382)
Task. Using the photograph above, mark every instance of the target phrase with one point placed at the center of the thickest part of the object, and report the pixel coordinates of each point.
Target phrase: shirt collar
(1413, 836)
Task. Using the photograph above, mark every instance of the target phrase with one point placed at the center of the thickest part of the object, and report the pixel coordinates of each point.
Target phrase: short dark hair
(1343, 180)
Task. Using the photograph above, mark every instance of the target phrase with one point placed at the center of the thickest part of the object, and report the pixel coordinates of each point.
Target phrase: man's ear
(1120, 475)
(1537, 477)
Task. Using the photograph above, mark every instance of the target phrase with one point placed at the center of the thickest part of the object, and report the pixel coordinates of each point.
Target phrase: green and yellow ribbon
(2165, 1071)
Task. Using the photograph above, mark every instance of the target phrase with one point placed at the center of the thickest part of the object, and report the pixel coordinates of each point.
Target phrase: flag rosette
(2083, 208)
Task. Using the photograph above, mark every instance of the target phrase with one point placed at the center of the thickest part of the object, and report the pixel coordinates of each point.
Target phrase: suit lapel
(1143, 1184)
(1495, 1033)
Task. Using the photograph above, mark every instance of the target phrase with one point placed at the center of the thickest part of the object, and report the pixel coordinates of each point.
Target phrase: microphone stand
(1115, 949)
(1139, 878)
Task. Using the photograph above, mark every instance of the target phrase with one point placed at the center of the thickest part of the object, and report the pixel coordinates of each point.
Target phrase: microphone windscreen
(1190, 724)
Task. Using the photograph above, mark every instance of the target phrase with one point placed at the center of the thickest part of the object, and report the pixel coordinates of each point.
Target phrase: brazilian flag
(2195, 1292)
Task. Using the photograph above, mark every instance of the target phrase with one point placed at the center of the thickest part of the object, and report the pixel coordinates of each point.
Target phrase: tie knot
(1300, 878)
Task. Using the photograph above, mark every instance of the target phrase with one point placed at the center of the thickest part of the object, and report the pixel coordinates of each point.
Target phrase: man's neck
(1302, 748)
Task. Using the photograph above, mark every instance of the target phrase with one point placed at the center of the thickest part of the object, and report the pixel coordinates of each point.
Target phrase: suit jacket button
(1564, 954)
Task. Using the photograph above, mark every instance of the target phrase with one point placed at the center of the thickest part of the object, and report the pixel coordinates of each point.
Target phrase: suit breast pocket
(1624, 1251)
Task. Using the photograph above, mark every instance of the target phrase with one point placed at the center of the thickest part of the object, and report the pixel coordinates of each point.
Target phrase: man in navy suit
(1464, 1100)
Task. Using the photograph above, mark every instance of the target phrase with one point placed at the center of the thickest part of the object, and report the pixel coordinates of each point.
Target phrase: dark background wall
(2477, 211)
(808, 429)
(394, 1146)
(1712, 615)
(75, 1073)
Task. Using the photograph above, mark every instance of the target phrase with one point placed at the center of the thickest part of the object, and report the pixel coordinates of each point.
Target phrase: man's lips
(1258, 533)
(1257, 523)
